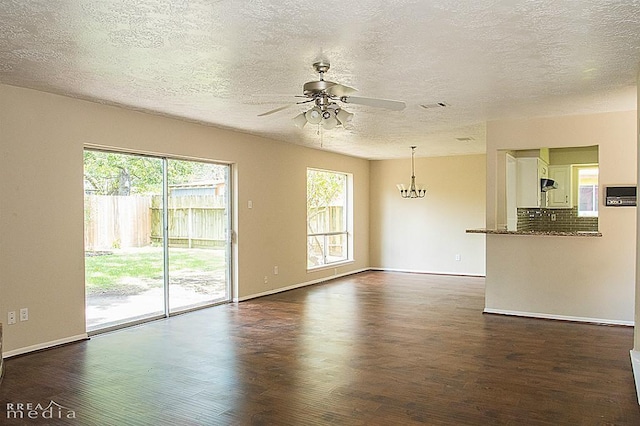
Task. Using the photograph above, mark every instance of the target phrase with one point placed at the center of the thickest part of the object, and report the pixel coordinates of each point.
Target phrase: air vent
(466, 139)
(435, 105)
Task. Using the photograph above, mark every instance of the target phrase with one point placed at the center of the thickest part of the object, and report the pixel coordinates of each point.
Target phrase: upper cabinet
(529, 171)
(562, 197)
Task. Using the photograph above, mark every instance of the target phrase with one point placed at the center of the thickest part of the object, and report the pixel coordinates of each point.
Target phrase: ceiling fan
(325, 95)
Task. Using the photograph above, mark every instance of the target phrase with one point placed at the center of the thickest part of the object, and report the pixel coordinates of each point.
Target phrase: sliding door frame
(229, 238)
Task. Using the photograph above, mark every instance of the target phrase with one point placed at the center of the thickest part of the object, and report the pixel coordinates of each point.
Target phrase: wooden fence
(136, 221)
(112, 222)
(194, 221)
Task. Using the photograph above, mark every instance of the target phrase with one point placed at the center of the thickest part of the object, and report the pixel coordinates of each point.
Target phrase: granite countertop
(549, 233)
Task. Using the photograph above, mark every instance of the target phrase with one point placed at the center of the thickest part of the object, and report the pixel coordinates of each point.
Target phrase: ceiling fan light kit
(344, 116)
(314, 115)
(300, 120)
(325, 94)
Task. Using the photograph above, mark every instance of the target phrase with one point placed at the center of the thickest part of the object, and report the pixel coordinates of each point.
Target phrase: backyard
(127, 283)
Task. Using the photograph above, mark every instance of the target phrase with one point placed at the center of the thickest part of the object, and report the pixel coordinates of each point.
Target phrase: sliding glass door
(198, 234)
(156, 237)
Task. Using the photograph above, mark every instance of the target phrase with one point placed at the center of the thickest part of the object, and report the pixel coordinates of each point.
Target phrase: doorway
(156, 237)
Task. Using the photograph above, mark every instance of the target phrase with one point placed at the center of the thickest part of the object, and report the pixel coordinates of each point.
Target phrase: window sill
(330, 265)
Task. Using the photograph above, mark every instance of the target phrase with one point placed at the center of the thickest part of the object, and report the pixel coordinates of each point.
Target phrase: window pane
(328, 238)
(588, 191)
(123, 263)
(325, 249)
(198, 222)
(326, 192)
(337, 248)
(315, 251)
(586, 198)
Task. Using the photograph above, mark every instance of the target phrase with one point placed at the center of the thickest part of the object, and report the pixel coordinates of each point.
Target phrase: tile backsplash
(566, 220)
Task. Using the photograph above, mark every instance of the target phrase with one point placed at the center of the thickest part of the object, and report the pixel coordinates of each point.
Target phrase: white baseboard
(635, 363)
(416, 271)
(558, 317)
(321, 280)
(45, 345)
(294, 286)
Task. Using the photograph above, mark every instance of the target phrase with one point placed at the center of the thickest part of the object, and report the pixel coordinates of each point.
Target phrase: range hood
(547, 184)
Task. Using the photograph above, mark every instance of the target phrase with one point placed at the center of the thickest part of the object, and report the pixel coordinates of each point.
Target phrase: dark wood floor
(372, 349)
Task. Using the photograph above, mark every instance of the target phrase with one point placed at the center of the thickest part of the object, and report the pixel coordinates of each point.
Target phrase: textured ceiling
(224, 62)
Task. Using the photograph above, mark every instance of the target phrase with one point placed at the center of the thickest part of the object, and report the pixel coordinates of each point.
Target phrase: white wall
(574, 277)
(41, 212)
(424, 235)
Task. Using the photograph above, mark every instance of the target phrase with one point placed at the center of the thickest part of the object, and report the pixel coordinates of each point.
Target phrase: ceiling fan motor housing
(321, 66)
(315, 88)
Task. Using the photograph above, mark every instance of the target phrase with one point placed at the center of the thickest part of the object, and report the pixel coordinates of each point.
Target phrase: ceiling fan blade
(340, 90)
(275, 110)
(377, 103)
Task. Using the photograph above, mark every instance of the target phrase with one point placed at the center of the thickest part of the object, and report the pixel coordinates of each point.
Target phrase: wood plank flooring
(371, 349)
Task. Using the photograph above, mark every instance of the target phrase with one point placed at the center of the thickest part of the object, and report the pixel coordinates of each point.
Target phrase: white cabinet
(562, 197)
(529, 171)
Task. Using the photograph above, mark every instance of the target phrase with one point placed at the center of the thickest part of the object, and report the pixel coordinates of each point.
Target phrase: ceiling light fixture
(412, 191)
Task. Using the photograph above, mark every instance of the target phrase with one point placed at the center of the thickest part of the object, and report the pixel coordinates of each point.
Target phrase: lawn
(133, 271)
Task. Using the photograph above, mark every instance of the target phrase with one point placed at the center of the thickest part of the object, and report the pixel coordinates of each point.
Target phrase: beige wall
(424, 235)
(581, 278)
(636, 335)
(41, 190)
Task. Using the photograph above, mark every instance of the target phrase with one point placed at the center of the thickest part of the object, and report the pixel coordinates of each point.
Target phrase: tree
(111, 173)
(323, 188)
(325, 191)
(122, 174)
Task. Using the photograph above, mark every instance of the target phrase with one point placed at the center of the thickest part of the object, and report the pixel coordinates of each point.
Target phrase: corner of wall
(635, 364)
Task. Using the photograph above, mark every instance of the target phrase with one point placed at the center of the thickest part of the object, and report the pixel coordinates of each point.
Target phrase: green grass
(135, 271)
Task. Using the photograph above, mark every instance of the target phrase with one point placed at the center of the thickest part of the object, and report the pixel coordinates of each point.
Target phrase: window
(328, 218)
(588, 191)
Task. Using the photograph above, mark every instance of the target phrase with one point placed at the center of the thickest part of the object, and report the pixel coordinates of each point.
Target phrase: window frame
(347, 219)
(594, 194)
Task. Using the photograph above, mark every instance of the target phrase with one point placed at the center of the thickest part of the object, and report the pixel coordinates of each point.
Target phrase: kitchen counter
(544, 233)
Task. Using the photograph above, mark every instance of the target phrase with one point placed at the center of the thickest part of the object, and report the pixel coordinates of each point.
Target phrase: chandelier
(325, 113)
(413, 191)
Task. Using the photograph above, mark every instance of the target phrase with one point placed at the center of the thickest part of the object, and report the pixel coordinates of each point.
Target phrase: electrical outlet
(24, 314)
(275, 270)
(457, 258)
(266, 279)
(11, 317)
